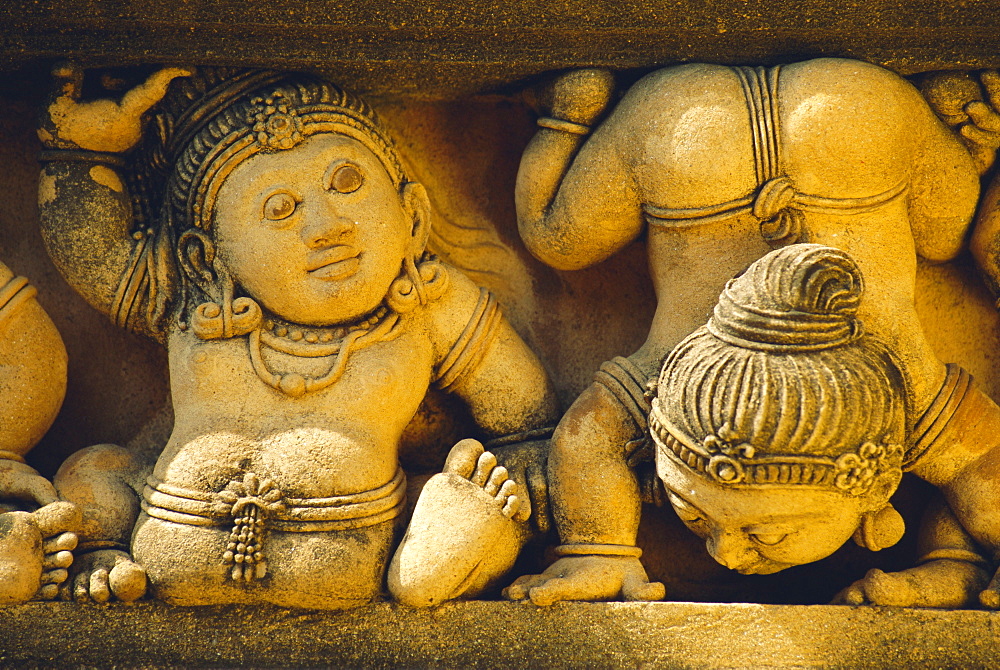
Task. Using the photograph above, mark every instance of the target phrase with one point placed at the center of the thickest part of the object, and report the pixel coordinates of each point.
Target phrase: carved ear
(196, 254)
(418, 206)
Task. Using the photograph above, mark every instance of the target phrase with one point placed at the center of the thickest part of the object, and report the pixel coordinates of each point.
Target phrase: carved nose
(327, 231)
(732, 550)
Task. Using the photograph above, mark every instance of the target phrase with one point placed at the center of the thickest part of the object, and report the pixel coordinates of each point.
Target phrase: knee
(596, 421)
(96, 478)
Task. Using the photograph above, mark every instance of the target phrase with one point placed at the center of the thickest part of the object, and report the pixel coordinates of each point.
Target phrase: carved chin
(765, 568)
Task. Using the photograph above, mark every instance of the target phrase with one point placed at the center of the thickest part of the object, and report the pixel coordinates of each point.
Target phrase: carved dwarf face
(317, 233)
(762, 530)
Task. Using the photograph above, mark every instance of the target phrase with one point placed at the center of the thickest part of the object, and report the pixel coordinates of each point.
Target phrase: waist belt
(252, 506)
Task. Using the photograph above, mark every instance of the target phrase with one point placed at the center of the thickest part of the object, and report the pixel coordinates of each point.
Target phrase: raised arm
(576, 198)
(84, 207)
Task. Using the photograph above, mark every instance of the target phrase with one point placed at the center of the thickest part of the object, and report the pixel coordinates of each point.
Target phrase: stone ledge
(498, 634)
(453, 48)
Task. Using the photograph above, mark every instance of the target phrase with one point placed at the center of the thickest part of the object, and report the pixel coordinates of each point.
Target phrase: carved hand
(983, 128)
(21, 482)
(580, 96)
(99, 125)
(587, 578)
(525, 464)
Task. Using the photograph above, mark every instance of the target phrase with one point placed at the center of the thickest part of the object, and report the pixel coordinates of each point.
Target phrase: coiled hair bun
(783, 365)
(803, 297)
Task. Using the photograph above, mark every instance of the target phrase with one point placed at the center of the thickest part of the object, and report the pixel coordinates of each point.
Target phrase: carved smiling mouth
(339, 262)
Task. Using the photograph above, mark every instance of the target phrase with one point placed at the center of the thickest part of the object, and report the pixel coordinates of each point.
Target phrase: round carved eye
(279, 206)
(346, 179)
(768, 539)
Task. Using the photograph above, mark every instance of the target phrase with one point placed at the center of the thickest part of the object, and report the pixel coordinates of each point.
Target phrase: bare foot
(34, 551)
(463, 535)
(56, 523)
(943, 584)
(105, 574)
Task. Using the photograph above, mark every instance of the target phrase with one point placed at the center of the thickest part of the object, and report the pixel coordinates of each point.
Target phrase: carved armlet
(81, 156)
(471, 346)
(937, 418)
(631, 388)
(13, 294)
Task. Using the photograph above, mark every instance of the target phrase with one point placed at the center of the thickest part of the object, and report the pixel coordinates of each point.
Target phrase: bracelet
(564, 126)
(523, 436)
(954, 554)
(11, 456)
(81, 156)
(598, 550)
(99, 545)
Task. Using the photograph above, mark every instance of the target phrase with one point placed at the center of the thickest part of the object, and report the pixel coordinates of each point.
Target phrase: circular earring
(880, 529)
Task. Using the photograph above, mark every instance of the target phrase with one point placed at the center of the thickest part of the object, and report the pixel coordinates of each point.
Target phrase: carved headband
(727, 461)
(276, 125)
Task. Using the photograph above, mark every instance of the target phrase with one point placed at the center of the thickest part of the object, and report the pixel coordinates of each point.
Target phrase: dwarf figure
(780, 433)
(716, 166)
(270, 238)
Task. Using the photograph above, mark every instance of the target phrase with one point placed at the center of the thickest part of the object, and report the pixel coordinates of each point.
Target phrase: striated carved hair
(205, 126)
(782, 386)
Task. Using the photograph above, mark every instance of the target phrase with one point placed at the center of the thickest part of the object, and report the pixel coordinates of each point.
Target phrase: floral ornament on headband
(856, 472)
(726, 451)
(276, 124)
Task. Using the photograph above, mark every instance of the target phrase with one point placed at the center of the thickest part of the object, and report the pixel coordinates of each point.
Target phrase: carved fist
(971, 108)
(99, 125)
(983, 128)
(580, 96)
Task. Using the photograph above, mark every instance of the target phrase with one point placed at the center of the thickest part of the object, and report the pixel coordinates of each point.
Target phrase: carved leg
(463, 535)
(104, 481)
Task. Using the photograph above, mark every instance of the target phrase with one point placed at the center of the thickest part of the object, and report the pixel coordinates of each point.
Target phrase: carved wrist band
(99, 545)
(10, 456)
(81, 156)
(564, 126)
(598, 550)
(524, 436)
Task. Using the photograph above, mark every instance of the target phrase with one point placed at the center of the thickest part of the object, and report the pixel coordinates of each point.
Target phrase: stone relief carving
(36, 535)
(715, 166)
(263, 228)
(760, 448)
(266, 232)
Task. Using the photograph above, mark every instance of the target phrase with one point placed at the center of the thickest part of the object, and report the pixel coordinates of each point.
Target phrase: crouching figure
(267, 234)
(779, 432)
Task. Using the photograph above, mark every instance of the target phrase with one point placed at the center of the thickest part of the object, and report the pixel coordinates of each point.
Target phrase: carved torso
(341, 439)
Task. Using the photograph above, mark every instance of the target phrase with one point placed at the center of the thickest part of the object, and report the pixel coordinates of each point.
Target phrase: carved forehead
(309, 161)
(744, 506)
